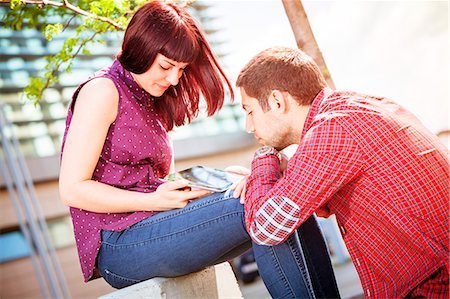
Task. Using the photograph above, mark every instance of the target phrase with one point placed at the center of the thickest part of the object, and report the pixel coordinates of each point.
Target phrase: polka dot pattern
(136, 152)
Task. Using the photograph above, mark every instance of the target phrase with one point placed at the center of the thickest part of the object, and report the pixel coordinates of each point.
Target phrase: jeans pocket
(117, 281)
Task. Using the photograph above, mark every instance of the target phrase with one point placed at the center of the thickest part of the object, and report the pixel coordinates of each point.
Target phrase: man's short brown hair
(283, 69)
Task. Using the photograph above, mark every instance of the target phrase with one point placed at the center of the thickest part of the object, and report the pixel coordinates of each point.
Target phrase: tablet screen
(209, 178)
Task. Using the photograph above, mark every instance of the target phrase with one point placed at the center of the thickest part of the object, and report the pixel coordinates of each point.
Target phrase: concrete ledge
(216, 282)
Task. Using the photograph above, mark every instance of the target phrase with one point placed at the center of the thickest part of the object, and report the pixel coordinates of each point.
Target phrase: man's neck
(298, 119)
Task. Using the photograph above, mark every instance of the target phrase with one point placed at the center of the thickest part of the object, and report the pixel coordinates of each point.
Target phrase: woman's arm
(95, 109)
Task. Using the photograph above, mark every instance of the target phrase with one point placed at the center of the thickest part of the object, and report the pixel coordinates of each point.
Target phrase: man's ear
(278, 101)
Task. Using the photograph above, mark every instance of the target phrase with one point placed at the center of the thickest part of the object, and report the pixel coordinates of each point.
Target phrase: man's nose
(249, 127)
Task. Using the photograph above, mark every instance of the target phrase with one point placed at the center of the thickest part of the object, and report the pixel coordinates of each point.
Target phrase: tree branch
(68, 5)
(56, 68)
(68, 22)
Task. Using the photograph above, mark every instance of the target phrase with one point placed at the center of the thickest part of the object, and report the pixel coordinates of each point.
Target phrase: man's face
(268, 127)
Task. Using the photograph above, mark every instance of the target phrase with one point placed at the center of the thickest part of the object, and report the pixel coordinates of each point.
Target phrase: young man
(363, 158)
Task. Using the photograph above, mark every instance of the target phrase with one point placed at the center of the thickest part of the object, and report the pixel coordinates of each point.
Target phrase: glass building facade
(39, 128)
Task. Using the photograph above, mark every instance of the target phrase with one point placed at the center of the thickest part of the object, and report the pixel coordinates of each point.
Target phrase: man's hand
(239, 186)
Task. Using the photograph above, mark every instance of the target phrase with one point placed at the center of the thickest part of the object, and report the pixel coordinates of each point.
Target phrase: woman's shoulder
(100, 90)
(101, 86)
(99, 94)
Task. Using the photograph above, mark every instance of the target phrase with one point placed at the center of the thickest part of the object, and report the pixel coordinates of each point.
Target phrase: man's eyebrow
(244, 106)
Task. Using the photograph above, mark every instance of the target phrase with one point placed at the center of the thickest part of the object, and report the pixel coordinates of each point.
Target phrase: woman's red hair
(168, 29)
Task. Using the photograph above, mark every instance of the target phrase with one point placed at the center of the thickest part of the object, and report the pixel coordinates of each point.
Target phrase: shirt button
(357, 262)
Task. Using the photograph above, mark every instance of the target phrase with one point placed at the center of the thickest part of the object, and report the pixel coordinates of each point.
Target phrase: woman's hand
(176, 195)
(239, 186)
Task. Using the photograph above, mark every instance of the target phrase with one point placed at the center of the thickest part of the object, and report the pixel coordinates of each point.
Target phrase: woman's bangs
(183, 47)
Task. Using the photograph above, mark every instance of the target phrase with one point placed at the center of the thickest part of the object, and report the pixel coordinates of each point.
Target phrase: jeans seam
(144, 242)
(122, 278)
(180, 212)
(281, 272)
(304, 269)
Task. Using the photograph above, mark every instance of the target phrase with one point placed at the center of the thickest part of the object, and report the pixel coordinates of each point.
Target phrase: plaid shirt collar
(314, 110)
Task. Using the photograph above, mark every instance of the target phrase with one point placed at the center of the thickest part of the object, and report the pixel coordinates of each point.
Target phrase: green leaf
(96, 8)
(34, 90)
(107, 6)
(15, 4)
(86, 51)
(51, 20)
(51, 30)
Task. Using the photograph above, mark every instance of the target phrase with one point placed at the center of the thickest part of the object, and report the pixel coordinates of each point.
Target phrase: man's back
(363, 158)
(394, 212)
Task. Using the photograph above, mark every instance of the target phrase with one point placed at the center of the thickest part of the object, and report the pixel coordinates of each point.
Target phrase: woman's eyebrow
(172, 63)
(169, 62)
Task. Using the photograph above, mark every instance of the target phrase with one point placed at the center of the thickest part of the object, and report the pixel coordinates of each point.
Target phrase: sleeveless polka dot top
(137, 152)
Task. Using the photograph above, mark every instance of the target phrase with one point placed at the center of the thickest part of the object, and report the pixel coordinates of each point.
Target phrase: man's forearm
(265, 173)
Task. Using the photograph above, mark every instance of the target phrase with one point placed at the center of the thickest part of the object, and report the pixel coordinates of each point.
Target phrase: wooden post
(304, 35)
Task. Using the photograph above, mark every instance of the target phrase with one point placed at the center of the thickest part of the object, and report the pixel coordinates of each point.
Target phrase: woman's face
(163, 73)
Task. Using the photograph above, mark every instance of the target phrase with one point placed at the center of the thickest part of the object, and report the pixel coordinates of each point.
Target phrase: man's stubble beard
(282, 138)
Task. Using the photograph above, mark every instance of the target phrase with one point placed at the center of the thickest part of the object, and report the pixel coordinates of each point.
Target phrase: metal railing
(29, 214)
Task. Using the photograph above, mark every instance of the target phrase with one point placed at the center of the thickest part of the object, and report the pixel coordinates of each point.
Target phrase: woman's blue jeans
(209, 231)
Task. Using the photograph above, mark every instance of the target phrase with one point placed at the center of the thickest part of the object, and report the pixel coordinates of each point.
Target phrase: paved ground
(347, 279)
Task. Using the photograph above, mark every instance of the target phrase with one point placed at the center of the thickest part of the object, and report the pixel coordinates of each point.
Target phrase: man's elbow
(265, 239)
(267, 242)
(274, 221)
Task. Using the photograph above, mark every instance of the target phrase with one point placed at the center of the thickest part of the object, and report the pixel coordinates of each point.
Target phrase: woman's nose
(173, 77)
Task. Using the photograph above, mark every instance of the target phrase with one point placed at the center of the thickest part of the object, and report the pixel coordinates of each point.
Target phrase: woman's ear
(278, 101)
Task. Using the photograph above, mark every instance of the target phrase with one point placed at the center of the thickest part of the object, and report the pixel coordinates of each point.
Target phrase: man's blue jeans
(209, 231)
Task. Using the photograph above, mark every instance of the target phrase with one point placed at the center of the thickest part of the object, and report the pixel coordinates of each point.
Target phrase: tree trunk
(304, 35)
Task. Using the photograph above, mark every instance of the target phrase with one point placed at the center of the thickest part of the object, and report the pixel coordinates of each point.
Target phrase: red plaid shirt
(385, 177)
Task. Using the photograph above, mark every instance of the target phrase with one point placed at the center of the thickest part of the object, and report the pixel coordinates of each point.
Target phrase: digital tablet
(207, 178)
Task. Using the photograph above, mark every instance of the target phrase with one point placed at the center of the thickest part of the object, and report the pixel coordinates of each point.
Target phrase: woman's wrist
(149, 202)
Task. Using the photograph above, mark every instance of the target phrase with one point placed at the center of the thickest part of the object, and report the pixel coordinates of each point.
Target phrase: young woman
(130, 225)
